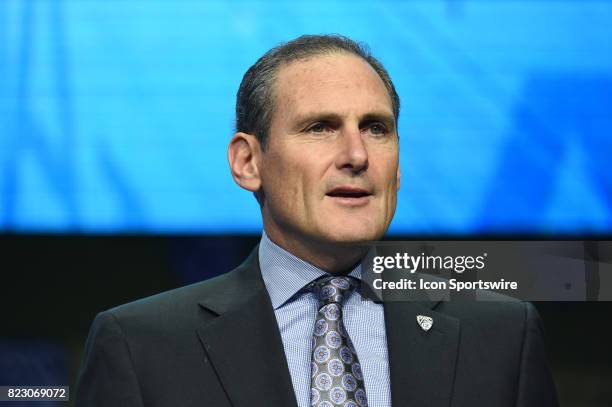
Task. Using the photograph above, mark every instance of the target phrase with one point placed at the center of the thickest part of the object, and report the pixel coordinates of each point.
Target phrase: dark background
(53, 286)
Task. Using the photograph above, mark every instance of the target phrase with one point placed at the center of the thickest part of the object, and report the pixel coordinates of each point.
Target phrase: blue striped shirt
(285, 277)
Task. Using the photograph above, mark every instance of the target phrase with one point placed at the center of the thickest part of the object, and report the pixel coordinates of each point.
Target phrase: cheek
(283, 183)
(385, 163)
(387, 180)
(393, 185)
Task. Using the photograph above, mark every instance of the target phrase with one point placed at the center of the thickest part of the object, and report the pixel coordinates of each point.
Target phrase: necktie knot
(332, 289)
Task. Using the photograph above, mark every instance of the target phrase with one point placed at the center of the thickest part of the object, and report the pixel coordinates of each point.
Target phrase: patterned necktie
(336, 378)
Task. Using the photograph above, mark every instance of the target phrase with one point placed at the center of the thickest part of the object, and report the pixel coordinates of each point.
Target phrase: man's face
(330, 171)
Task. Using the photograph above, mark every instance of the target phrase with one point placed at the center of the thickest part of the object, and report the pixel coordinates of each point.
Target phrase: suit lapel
(422, 363)
(243, 342)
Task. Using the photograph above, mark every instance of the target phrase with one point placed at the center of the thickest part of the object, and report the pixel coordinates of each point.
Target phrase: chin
(347, 234)
(354, 227)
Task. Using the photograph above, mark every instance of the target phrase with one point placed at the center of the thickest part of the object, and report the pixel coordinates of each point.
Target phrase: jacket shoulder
(181, 304)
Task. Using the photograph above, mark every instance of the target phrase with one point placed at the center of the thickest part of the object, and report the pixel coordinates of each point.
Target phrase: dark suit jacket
(217, 343)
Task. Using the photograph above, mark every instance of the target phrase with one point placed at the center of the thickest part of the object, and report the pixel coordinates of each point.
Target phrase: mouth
(349, 196)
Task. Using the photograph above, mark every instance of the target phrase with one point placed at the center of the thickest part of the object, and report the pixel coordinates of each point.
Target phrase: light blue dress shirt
(285, 277)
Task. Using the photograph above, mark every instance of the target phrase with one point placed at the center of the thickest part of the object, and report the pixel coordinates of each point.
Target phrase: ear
(244, 156)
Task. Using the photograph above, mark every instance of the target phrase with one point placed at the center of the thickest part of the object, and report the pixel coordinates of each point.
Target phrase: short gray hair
(255, 98)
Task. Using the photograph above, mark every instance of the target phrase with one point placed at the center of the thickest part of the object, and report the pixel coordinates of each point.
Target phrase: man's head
(324, 164)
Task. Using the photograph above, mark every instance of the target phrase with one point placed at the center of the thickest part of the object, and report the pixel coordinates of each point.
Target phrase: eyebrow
(383, 117)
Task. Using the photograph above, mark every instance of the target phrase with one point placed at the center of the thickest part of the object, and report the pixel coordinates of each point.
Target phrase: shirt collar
(285, 274)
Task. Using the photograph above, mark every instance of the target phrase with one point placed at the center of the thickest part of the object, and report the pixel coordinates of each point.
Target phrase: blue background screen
(115, 115)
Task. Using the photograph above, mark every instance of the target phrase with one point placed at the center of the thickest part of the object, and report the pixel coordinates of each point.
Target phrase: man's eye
(377, 129)
(318, 128)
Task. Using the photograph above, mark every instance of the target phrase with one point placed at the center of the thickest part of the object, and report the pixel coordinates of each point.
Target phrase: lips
(349, 196)
(348, 192)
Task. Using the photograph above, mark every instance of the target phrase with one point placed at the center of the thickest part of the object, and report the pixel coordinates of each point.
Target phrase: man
(317, 144)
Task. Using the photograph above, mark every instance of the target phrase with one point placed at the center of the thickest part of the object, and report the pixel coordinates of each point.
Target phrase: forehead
(338, 82)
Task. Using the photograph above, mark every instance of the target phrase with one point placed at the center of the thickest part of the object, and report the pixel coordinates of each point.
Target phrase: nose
(353, 153)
